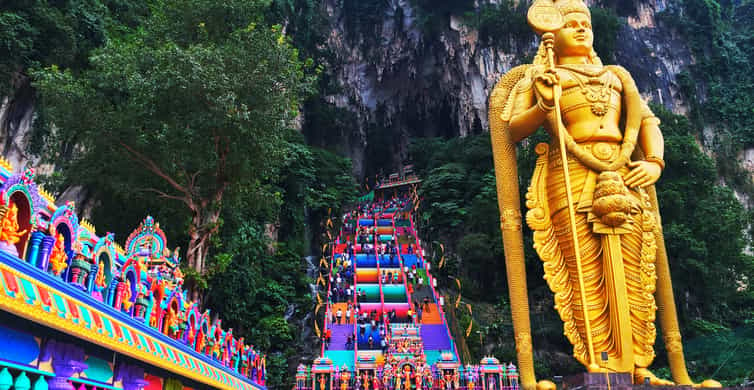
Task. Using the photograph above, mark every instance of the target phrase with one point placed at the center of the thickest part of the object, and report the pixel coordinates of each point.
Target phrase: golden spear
(548, 39)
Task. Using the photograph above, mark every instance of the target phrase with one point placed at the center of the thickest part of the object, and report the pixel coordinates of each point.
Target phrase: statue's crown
(572, 6)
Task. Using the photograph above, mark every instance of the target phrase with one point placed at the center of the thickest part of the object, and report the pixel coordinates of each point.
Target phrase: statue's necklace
(595, 91)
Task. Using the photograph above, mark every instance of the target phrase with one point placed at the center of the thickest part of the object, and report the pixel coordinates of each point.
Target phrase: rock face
(397, 80)
(16, 114)
(408, 83)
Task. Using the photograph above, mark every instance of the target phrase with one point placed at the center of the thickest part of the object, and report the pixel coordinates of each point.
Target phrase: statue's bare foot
(709, 383)
(640, 373)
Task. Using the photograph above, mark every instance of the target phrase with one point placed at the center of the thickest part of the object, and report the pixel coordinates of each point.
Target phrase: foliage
(316, 181)
(719, 83)
(326, 125)
(704, 227)
(605, 24)
(263, 291)
(188, 107)
(259, 292)
(178, 92)
(500, 24)
(43, 33)
(434, 15)
(305, 21)
(725, 354)
(459, 207)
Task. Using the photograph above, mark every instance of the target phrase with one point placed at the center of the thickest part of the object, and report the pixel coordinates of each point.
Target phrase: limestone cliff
(406, 82)
(394, 78)
(16, 114)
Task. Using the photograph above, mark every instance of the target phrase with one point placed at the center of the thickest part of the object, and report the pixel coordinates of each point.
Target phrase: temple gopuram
(384, 325)
(79, 311)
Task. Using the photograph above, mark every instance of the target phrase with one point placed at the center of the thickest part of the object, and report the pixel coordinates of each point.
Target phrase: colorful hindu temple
(79, 311)
(384, 325)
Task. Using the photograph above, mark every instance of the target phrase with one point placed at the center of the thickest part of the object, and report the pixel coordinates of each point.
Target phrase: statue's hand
(642, 174)
(543, 84)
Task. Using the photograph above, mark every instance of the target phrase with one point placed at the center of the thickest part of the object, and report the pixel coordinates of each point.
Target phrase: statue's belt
(606, 151)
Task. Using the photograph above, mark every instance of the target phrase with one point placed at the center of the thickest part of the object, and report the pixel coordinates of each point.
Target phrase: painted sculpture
(58, 257)
(592, 204)
(10, 232)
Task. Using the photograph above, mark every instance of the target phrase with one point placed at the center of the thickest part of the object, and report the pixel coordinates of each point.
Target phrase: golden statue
(592, 204)
(58, 257)
(9, 230)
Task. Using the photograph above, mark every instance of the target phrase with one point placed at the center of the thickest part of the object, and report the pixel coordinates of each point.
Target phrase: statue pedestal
(594, 381)
(590, 381)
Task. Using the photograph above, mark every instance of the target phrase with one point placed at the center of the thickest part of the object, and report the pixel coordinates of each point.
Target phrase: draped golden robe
(617, 262)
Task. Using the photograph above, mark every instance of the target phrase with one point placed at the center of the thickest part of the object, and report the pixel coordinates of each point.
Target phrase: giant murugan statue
(592, 204)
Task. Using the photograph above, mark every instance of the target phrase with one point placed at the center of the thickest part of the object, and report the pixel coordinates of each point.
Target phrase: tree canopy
(188, 107)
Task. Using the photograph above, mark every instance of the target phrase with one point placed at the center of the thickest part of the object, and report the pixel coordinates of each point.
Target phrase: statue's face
(575, 38)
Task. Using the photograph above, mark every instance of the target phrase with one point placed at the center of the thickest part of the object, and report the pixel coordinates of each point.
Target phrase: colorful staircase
(339, 337)
(435, 337)
(431, 316)
(380, 241)
(383, 296)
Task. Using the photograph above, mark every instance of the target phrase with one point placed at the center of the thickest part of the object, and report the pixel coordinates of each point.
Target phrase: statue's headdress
(548, 16)
(572, 6)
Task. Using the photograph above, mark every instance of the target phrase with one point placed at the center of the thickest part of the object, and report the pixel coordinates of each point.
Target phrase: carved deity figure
(100, 280)
(215, 349)
(10, 232)
(592, 204)
(58, 257)
(321, 381)
(344, 380)
(491, 383)
(125, 297)
(153, 318)
(171, 323)
(447, 381)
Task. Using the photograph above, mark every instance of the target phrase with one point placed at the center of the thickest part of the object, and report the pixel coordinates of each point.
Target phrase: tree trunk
(205, 210)
(203, 226)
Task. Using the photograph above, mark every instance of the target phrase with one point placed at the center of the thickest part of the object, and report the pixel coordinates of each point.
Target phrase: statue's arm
(527, 116)
(646, 172)
(650, 137)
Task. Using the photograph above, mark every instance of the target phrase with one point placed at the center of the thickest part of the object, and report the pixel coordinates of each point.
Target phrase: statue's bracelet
(656, 160)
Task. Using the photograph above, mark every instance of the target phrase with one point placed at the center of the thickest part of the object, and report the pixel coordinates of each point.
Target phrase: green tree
(260, 292)
(190, 107)
(704, 226)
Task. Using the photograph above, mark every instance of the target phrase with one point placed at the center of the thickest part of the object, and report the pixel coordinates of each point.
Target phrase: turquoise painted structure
(78, 311)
